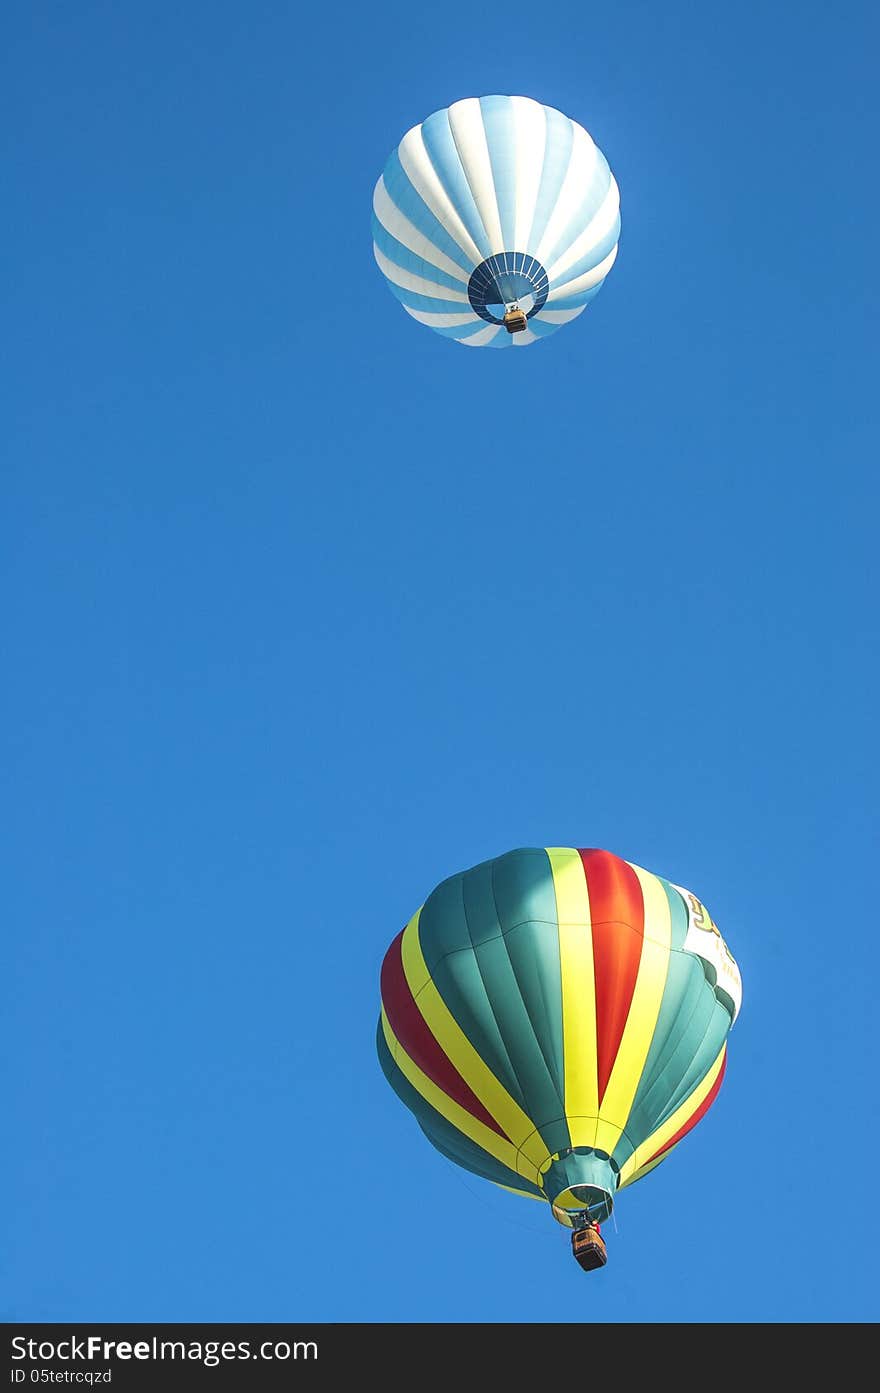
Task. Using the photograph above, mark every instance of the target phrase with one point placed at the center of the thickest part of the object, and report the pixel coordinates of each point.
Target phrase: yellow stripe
(637, 1164)
(465, 1122)
(532, 1152)
(643, 1012)
(578, 994)
(417, 974)
(651, 1165)
(526, 1194)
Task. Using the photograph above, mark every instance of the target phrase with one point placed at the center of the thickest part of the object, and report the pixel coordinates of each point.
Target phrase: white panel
(560, 316)
(406, 232)
(483, 337)
(704, 939)
(520, 340)
(441, 321)
(584, 282)
(598, 227)
(469, 134)
(407, 281)
(423, 177)
(581, 168)
(530, 124)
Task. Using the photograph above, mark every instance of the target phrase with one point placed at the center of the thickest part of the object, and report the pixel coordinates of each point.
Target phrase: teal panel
(680, 1024)
(526, 898)
(677, 913)
(519, 1028)
(441, 1133)
(464, 1152)
(690, 1061)
(686, 1038)
(446, 926)
(445, 929)
(460, 983)
(715, 1032)
(491, 942)
(522, 883)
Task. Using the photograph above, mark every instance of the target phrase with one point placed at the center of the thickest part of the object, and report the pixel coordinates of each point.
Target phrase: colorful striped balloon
(492, 202)
(557, 1021)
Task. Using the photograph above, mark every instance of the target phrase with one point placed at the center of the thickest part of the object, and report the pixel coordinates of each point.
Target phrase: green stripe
(447, 934)
(526, 896)
(491, 942)
(695, 1052)
(705, 1052)
(441, 1133)
(683, 1037)
(678, 915)
(473, 1158)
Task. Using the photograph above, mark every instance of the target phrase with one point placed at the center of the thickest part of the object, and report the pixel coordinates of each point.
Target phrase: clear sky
(306, 608)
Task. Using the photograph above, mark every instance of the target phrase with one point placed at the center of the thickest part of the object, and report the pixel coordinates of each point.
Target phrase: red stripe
(617, 913)
(701, 1112)
(411, 1029)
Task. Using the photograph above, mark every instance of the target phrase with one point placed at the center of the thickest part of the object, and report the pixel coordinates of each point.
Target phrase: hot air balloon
(556, 1020)
(496, 221)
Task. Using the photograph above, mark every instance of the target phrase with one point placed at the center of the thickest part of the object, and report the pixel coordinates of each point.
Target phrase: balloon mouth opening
(506, 280)
(580, 1185)
(582, 1202)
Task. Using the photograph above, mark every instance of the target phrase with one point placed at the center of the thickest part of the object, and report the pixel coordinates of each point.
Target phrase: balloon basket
(588, 1248)
(515, 321)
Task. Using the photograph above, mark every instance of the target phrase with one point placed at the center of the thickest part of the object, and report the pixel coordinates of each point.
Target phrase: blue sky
(306, 608)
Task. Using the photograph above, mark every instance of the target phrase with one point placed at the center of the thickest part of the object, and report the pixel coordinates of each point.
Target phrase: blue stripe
(428, 304)
(500, 128)
(499, 341)
(410, 203)
(557, 152)
(541, 329)
(591, 258)
(594, 196)
(401, 256)
(505, 340)
(443, 154)
(573, 302)
(459, 331)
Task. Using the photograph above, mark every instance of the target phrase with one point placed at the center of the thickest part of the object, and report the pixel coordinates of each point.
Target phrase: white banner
(704, 939)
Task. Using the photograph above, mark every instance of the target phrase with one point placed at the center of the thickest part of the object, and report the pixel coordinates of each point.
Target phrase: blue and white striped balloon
(496, 201)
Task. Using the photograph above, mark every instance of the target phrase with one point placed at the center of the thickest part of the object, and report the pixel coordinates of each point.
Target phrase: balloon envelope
(556, 1019)
(494, 201)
